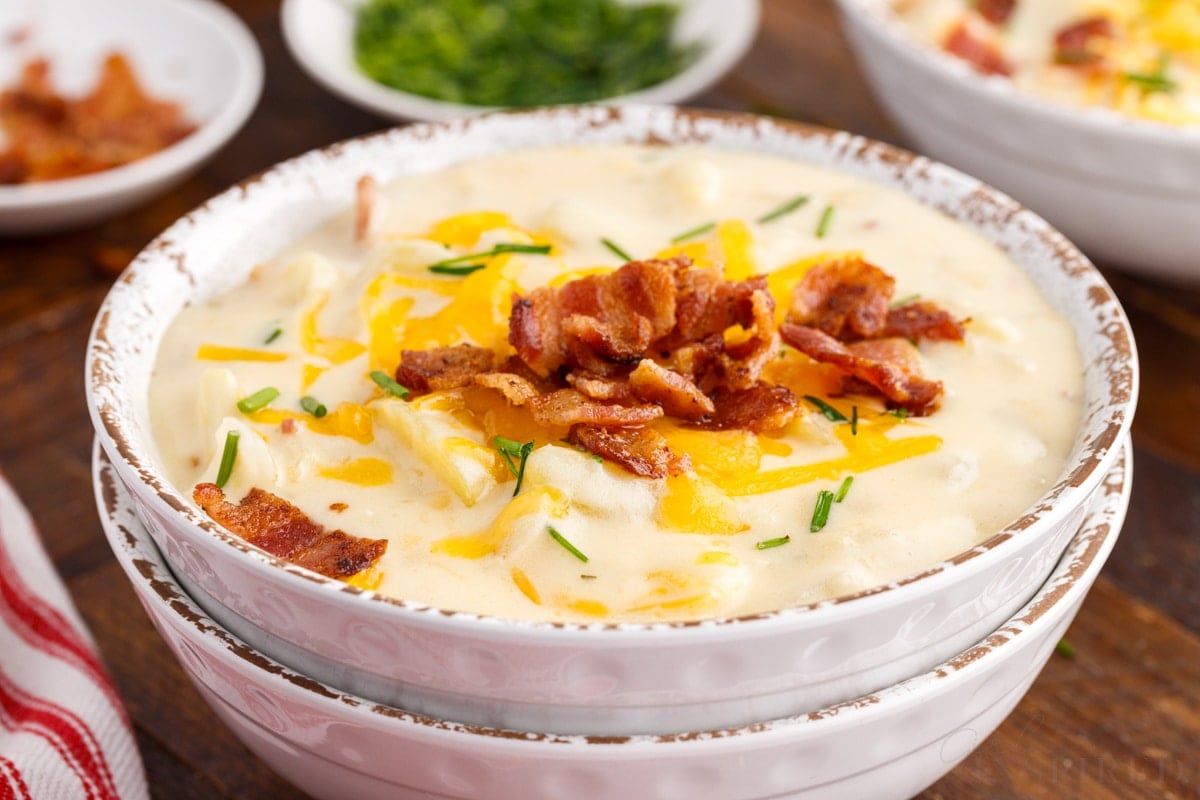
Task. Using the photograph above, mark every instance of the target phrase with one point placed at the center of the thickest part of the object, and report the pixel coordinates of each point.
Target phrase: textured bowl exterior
(194, 52)
(890, 744)
(590, 679)
(1124, 190)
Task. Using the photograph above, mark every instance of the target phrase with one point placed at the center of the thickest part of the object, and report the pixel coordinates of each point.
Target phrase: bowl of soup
(1087, 113)
(611, 421)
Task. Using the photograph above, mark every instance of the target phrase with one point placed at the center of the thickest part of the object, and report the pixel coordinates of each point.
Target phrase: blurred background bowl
(888, 745)
(1126, 191)
(320, 35)
(195, 53)
(591, 679)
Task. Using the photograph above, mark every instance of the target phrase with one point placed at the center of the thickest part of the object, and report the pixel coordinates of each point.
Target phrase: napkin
(63, 731)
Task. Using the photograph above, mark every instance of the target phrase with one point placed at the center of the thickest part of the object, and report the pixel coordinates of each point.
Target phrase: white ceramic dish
(319, 34)
(194, 52)
(595, 679)
(1124, 190)
(891, 744)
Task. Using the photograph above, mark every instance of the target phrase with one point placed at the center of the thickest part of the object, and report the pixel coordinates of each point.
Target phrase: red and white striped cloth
(63, 731)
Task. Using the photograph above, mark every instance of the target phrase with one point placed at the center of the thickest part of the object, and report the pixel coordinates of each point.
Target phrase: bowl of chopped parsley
(420, 59)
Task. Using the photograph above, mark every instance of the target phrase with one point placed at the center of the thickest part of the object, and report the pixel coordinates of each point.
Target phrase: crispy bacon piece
(1079, 43)
(567, 407)
(423, 371)
(922, 320)
(642, 451)
(741, 364)
(283, 530)
(996, 12)
(515, 388)
(891, 366)
(613, 390)
(984, 56)
(676, 393)
(847, 299)
(761, 408)
(597, 319)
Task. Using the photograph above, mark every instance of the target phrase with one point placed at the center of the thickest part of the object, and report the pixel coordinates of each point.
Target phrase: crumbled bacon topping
(1079, 44)
(996, 12)
(983, 55)
(440, 368)
(272, 523)
(642, 451)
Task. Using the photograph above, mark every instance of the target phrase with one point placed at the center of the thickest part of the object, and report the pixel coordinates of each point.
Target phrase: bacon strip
(891, 366)
(761, 408)
(984, 56)
(922, 320)
(423, 371)
(676, 393)
(996, 12)
(1077, 44)
(568, 407)
(847, 299)
(283, 530)
(642, 451)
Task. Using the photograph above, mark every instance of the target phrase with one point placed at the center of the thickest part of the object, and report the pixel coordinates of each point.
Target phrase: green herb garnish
(263, 397)
(786, 208)
(767, 544)
(228, 456)
(616, 249)
(823, 224)
(854, 420)
(515, 454)
(313, 406)
(388, 384)
(519, 53)
(459, 264)
(1065, 649)
(831, 413)
(903, 301)
(1156, 81)
(844, 489)
(693, 233)
(570, 548)
(821, 510)
(898, 413)
(275, 334)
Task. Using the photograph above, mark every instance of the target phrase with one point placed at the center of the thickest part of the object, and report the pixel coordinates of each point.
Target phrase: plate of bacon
(103, 106)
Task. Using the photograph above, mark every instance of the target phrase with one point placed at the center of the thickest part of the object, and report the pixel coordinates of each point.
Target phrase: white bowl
(193, 52)
(890, 744)
(571, 678)
(1124, 190)
(320, 34)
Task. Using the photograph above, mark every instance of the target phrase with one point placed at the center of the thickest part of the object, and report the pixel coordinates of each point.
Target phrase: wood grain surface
(1120, 720)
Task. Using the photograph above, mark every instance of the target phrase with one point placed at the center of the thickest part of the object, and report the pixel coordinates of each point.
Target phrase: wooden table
(1120, 720)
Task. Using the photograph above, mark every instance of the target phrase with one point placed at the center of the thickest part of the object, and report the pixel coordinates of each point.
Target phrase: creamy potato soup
(850, 492)
(1138, 57)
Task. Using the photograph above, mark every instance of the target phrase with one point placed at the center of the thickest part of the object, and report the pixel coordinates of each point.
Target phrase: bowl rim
(881, 19)
(209, 135)
(739, 21)
(170, 502)
(1070, 580)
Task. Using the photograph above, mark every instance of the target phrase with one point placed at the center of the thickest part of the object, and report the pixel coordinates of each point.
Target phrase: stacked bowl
(343, 690)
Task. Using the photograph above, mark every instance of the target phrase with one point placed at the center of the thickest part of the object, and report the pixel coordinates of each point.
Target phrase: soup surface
(735, 526)
(1139, 58)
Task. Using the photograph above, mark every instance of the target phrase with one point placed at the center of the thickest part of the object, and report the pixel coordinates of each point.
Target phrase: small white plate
(320, 34)
(193, 52)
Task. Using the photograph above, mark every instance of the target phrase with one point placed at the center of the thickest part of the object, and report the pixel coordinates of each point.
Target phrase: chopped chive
(503, 247)
(275, 334)
(313, 406)
(786, 208)
(823, 224)
(228, 456)
(903, 301)
(616, 249)
(821, 510)
(263, 397)
(898, 413)
(844, 489)
(510, 450)
(1156, 81)
(572, 549)
(693, 233)
(831, 413)
(453, 269)
(587, 577)
(1065, 649)
(854, 420)
(767, 544)
(388, 384)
